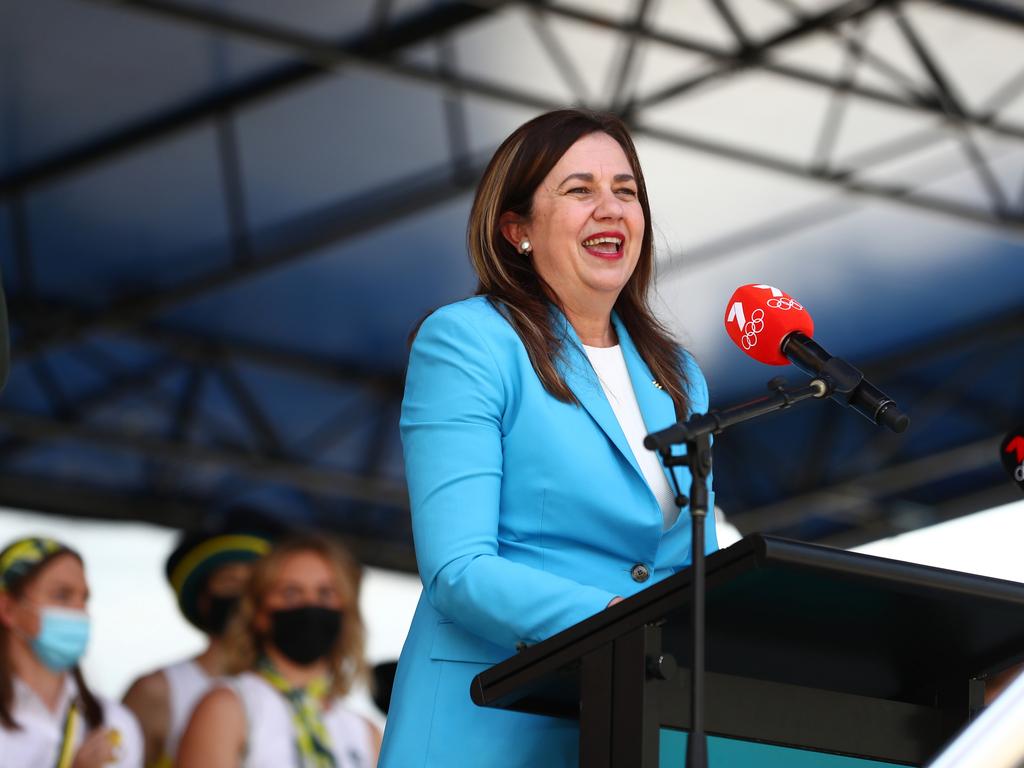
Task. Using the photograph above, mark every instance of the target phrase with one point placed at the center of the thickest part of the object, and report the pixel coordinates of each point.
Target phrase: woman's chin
(606, 287)
(609, 277)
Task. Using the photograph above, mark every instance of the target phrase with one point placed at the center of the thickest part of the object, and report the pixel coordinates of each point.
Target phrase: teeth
(599, 240)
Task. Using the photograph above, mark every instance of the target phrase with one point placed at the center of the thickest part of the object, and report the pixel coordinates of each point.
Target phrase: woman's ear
(513, 228)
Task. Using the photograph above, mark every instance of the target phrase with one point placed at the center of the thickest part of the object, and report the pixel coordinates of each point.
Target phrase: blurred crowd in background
(284, 647)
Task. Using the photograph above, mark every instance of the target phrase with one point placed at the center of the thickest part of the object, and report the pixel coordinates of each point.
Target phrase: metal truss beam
(81, 500)
(375, 46)
(886, 522)
(137, 310)
(1012, 13)
(369, 53)
(843, 178)
(731, 62)
(75, 499)
(205, 350)
(744, 58)
(202, 349)
(847, 499)
(349, 219)
(384, 390)
(1002, 329)
(320, 480)
(816, 214)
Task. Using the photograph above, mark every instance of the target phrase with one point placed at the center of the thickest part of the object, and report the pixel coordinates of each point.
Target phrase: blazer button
(640, 573)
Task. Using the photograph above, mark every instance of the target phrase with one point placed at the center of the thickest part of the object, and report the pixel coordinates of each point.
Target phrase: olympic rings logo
(752, 328)
(1018, 473)
(784, 304)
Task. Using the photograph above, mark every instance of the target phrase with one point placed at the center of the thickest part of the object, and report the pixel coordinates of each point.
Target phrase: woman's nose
(608, 206)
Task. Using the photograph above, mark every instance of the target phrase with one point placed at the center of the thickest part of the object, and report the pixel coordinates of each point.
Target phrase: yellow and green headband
(22, 556)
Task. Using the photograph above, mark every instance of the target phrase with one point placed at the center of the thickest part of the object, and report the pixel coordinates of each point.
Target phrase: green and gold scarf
(312, 742)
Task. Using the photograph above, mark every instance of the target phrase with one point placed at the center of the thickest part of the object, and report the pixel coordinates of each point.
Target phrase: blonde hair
(243, 641)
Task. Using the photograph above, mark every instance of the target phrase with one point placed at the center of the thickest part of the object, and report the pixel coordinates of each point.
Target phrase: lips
(605, 245)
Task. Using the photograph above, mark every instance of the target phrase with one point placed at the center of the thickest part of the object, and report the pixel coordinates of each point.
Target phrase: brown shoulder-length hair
(92, 710)
(510, 281)
(243, 641)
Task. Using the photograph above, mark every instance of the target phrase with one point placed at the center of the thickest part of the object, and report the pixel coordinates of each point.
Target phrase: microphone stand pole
(695, 433)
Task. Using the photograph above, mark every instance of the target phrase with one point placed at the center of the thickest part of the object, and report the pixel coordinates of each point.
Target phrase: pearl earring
(525, 246)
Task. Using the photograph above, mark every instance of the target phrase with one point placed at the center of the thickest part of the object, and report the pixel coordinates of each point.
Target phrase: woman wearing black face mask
(208, 571)
(295, 648)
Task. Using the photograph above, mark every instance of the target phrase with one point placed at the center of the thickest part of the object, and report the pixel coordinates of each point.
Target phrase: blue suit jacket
(529, 515)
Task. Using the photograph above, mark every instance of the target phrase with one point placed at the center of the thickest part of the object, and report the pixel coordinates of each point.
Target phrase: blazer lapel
(656, 405)
(575, 367)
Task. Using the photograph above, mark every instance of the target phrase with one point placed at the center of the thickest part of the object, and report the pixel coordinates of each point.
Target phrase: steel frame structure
(862, 501)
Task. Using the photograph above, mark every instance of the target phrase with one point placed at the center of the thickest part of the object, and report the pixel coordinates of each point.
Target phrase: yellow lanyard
(67, 745)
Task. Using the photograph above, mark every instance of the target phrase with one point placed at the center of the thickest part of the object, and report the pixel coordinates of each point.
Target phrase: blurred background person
(48, 715)
(295, 649)
(208, 571)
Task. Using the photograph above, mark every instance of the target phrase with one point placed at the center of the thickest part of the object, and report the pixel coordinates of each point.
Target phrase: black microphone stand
(695, 433)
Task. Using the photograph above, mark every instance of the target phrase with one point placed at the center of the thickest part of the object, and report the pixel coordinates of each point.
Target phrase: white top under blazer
(610, 366)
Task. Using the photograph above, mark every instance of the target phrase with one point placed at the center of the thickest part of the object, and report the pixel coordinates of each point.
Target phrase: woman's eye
(627, 191)
(327, 595)
(578, 190)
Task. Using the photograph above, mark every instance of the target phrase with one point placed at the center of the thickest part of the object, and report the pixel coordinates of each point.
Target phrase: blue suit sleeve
(455, 398)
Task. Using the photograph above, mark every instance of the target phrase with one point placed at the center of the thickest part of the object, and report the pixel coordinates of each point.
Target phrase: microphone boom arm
(715, 421)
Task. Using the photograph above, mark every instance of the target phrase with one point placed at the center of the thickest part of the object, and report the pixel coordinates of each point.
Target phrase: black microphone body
(849, 385)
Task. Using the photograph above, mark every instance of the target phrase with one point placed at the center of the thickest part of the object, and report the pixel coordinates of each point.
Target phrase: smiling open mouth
(604, 245)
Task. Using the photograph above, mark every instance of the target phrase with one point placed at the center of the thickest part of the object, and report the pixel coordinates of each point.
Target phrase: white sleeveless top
(187, 683)
(610, 366)
(270, 735)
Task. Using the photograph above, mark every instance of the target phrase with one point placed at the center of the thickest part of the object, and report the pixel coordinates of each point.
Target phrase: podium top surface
(801, 614)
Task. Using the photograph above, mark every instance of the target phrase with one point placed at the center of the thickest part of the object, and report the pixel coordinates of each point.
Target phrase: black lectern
(807, 647)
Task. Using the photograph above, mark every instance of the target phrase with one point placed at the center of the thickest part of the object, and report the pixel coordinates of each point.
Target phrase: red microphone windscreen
(759, 317)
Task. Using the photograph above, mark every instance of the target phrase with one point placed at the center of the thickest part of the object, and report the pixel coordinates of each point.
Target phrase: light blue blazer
(528, 515)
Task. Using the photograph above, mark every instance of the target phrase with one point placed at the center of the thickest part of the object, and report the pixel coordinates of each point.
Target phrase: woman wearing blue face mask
(48, 715)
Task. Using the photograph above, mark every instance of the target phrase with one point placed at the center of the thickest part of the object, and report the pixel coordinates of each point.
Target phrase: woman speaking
(534, 504)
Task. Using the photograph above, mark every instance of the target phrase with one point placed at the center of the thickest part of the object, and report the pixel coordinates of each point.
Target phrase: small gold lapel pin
(656, 384)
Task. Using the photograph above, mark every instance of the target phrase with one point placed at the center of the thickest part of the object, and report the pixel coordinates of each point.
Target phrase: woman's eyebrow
(589, 177)
(580, 176)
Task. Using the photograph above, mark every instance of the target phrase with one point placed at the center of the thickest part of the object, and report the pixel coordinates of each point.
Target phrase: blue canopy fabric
(220, 221)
